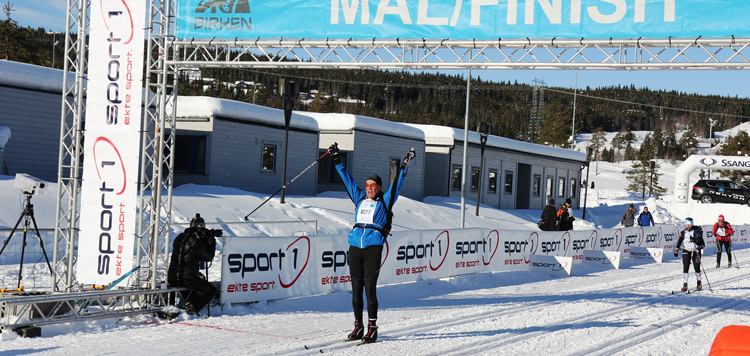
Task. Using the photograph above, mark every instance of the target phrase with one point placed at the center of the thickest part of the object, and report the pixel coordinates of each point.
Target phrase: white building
(515, 174)
(236, 144)
(370, 146)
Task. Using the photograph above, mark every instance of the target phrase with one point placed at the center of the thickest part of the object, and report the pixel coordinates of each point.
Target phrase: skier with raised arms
(372, 226)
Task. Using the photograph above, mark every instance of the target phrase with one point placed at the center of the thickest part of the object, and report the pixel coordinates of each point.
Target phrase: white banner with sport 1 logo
(111, 149)
(266, 268)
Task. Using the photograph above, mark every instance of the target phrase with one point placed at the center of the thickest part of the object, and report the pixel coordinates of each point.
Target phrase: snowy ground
(628, 311)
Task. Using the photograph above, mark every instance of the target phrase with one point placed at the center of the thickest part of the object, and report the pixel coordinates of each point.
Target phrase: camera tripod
(27, 216)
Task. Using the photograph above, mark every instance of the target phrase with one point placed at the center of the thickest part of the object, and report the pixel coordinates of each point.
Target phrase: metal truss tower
(537, 110)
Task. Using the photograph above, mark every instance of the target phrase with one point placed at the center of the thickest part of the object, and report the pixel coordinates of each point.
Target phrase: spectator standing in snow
(723, 232)
(645, 218)
(372, 225)
(195, 245)
(565, 216)
(628, 217)
(691, 240)
(549, 218)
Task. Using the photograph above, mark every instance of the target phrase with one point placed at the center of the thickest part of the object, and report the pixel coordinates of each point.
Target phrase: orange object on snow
(731, 340)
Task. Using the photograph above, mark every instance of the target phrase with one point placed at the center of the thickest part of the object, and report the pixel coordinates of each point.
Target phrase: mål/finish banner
(112, 146)
(462, 19)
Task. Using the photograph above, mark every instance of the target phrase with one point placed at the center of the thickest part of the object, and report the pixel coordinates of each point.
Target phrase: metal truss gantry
(166, 56)
(435, 54)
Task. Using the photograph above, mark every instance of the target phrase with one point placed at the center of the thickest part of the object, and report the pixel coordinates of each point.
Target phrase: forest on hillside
(435, 98)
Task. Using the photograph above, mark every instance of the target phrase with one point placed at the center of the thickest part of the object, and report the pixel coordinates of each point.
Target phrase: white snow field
(630, 311)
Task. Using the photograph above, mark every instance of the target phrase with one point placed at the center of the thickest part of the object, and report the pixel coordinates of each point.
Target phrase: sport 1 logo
(582, 244)
(610, 243)
(277, 261)
(443, 236)
(496, 244)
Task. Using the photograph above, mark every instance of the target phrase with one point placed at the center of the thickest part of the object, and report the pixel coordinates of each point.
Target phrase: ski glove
(334, 151)
(676, 252)
(409, 156)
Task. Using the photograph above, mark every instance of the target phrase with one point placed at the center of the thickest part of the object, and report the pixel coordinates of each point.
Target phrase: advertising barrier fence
(260, 268)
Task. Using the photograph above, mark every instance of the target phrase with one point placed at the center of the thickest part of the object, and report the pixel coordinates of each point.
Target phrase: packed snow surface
(630, 311)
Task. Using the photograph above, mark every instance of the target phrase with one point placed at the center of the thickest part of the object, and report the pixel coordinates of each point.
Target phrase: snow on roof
(32, 76)
(442, 135)
(341, 122)
(192, 106)
(4, 136)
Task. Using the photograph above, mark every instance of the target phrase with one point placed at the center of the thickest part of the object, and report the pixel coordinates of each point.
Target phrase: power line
(650, 105)
(496, 87)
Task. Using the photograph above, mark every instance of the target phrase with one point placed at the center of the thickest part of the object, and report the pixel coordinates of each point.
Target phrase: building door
(523, 190)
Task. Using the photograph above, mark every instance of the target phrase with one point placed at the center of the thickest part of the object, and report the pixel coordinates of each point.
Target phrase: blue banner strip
(462, 19)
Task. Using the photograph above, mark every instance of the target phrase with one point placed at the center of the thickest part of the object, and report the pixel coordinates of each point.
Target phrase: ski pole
(700, 260)
(287, 184)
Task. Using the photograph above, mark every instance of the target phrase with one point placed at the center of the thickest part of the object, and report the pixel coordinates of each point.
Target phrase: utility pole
(288, 90)
(466, 148)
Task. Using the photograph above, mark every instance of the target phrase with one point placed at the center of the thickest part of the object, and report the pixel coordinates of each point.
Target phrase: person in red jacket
(723, 232)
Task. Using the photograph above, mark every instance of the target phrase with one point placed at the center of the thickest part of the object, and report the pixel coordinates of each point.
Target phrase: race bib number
(720, 232)
(366, 211)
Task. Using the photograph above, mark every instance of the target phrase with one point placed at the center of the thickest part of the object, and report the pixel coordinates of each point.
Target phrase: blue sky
(50, 14)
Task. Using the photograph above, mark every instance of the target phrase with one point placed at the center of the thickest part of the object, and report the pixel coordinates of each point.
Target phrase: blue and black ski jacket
(364, 235)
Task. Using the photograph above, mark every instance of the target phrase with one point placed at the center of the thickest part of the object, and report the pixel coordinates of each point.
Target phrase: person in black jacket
(691, 240)
(196, 244)
(549, 217)
(565, 216)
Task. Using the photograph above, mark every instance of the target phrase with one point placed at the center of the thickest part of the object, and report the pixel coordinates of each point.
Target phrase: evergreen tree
(598, 140)
(688, 142)
(556, 126)
(738, 145)
(643, 181)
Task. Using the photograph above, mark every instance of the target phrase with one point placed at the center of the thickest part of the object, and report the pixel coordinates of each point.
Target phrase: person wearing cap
(645, 218)
(723, 232)
(691, 240)
(628, 217)
(565, 216)
(193, 246)
(372, 217)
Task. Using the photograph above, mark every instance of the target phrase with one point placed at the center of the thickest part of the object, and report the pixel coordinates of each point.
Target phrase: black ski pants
(364, 268)
(202, 291)
(726, 245)
(695, 256)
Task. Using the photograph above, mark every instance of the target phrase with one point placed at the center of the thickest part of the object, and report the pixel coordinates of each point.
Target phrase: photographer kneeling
(196, 244)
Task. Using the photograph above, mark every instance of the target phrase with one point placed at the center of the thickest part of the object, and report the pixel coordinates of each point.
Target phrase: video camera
(214, 232)
(27, 183)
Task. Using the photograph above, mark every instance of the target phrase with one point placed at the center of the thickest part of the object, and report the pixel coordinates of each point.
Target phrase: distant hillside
(430, 98)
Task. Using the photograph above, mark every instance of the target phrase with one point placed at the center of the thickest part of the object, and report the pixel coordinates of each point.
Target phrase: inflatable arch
(694, 162)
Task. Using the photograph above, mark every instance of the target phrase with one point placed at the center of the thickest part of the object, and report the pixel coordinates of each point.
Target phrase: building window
(561, 187)
(537, 185)
(456, 180)
(573, 188)
(492, 180)
(190, 154)
(269, 158)
(550, 186)
(474, 179)
(508, 182)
